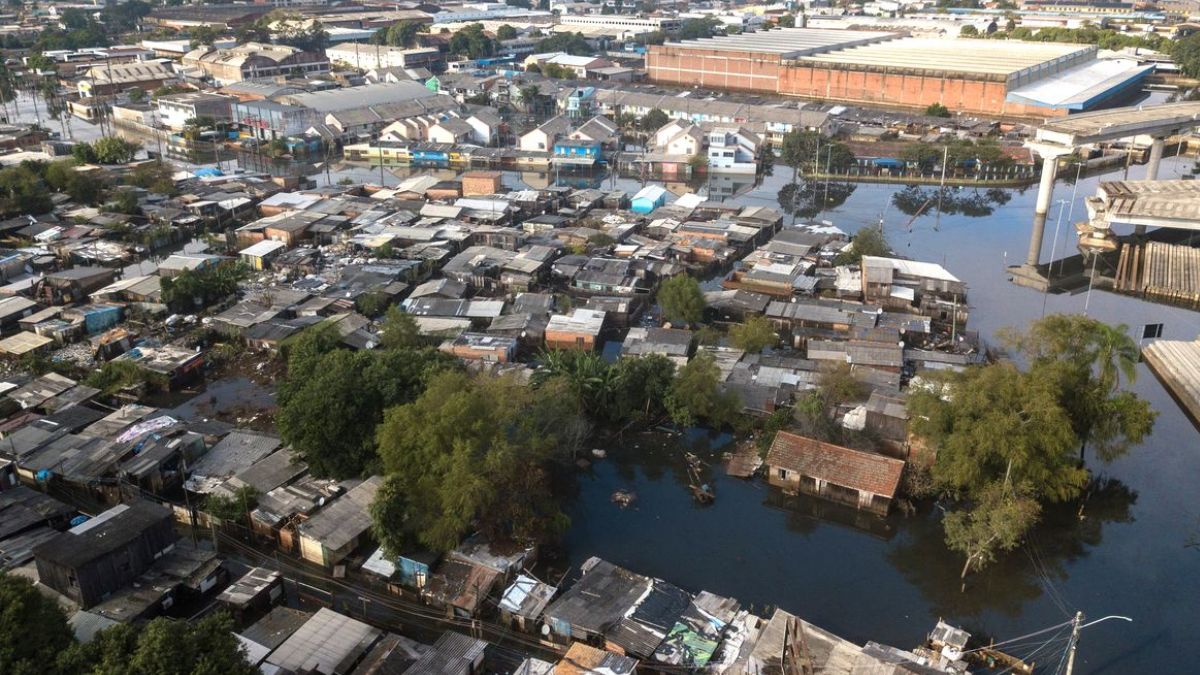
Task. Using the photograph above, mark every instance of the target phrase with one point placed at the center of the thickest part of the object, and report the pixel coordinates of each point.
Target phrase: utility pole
(1078, 623)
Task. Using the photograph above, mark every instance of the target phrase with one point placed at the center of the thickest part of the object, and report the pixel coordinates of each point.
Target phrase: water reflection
(916, 200)
(1066, 533)
(808, 198)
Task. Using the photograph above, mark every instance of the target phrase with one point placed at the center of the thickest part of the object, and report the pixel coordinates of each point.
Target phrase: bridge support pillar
(1152, 164)
(1045, 193)
(1156, 155)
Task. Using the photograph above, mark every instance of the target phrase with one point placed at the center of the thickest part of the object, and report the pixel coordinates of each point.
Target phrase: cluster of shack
(490, 274)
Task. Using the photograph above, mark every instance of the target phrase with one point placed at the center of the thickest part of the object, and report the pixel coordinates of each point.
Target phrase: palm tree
(1114, 354)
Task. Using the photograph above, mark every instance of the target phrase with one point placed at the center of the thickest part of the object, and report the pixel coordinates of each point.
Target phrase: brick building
(992, 77)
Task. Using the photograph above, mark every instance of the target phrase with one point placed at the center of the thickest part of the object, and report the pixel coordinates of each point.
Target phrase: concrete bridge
(1060, 137)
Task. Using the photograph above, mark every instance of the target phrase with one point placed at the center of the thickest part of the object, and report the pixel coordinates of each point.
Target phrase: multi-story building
(175, 110)
(252, 61)
(268, 120)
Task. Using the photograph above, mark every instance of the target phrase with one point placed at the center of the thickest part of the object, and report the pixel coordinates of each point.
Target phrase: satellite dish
(546, 629)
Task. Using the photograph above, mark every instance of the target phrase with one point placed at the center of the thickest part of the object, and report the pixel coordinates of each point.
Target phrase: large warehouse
(992, 77)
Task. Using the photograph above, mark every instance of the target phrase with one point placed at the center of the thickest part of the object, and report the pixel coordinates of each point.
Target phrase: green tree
(136, 95)
(334, 398)
(83, 153)
(475, 453)
(997, 424)
(162, 647)
(803, 149)
(114, 150)
(995, 523)
(1186, 54)
(754, 334)
(654, 120)
(1086, 359)
(399, 34)
(127, 202)
(472, 42)
(257, 31)
(681, 300)
(233, 507)
(33, 628)
(118, 374)
(693, 29)
(586, 375)
(787, 21)
(202, 35)
(570, 43)
(696, 395)
(937, 109)
(191, 290)
(698, 162)
(506, 32)
(868, 241)
(968, 31)
(399, 330)
(22, 190)
(641, 387)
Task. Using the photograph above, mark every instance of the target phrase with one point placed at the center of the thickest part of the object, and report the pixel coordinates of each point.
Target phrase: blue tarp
(888, 163)
(208, 172)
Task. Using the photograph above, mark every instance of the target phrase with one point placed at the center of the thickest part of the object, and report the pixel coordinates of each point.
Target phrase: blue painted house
(649, 198)
(411, 570)
(577, 152)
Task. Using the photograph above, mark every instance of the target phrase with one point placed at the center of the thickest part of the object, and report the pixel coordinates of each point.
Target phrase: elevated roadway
(1063, 136)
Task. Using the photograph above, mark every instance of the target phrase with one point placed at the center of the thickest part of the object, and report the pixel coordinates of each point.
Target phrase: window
(783, 474)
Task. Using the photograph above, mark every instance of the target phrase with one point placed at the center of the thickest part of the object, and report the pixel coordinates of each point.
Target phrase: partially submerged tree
(1086, 360)
(994, 524)
(696, 395)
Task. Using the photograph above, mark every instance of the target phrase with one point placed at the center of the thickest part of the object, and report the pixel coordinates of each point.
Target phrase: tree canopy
(695, 395)
(472, 42)
(654, 120)
(193, 290)
(754, 334)
(811, 150)
(571, 43)
(332, 398)
(681, 300)
(1085, 359)
(33, 628)
(474, 453)
(162, 647)
(867, 241)
(399, 34)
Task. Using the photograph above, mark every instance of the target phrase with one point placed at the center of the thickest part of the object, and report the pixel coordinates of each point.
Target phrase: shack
(335, 531)
(860, 479)
(95, 559)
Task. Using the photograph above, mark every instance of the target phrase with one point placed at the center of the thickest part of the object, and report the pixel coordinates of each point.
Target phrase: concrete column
(1156, 155)
(1045, 193)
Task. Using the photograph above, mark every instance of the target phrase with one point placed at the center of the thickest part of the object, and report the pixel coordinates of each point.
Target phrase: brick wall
(749, 71)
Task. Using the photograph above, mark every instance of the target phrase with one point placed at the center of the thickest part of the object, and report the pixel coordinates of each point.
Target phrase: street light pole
(1079, 626)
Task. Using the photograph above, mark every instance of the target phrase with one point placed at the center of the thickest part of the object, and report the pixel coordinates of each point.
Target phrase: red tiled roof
(855, 469)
